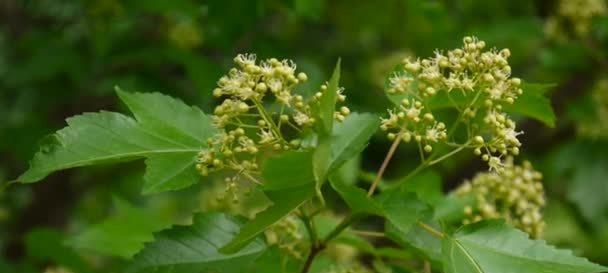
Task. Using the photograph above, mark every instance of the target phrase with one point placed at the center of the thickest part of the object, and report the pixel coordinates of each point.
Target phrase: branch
(314, 251)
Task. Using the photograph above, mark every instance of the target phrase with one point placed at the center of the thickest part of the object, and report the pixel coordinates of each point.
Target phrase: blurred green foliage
(62, 58)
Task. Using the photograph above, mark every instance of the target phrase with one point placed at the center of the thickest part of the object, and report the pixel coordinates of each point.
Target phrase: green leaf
(494, 247)
(166, 131)
(532, 103)
(348, 173)
(169, 172)
(288, 170)
(357, 199)
(427, 186)
(328, 103)
(285, 189)
(194, 248)
(390, 204)
(584, 177)
(588, 190)
(321, 162)
(123, 234)
(168, 117)
(403, 209)
(451, 207)
(418, 239)
(326, 109)
(267, 262)
(284, 201)
(350, 137)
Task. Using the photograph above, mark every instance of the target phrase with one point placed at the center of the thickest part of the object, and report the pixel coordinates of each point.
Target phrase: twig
(387, 159)
(427, 267)
(453, 152)
(314, 251)
(312, 232)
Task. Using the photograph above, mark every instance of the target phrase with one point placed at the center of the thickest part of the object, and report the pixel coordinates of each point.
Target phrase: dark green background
(62, 58)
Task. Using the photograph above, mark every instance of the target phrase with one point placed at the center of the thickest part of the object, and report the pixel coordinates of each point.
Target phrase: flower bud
(302, 76)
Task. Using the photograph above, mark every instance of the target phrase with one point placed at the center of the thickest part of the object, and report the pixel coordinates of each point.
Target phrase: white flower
(511, 136)
(267, 69)
(391, 121)
(301, 118)
(399, 82)
(495, 164)
(245, 59)
(284, 98)
(289, 67)
(266, 137)
(412, 112)
(275, 85)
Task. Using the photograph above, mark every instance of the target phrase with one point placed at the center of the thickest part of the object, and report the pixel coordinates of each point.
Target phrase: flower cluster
(411, 122)
(516, 194)
(574, 15)
(287, 236)
(232, 197)
(596, 125)
(474, 81)
(345, 259)
(248, 125)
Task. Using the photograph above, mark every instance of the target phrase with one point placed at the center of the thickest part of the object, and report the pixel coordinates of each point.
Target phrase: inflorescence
(287, 236)
(260, 110)
(516, 194)
(574, 16)
(476, 82)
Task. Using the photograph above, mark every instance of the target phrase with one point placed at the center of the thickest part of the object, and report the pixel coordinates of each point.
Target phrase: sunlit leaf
(166, 131)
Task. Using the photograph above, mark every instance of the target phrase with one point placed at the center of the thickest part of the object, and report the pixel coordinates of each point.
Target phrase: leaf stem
(368, 233)
(421, 152)
(413, 173)
(321, 245)
(312, 232)
(314, 251)
(461, 116)
(268, 119)
(346, 222)
(5, 186)
(427, 267)
(387, 159)
(453, 152)
(250, 177)
(431, 230)
(429, 162)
